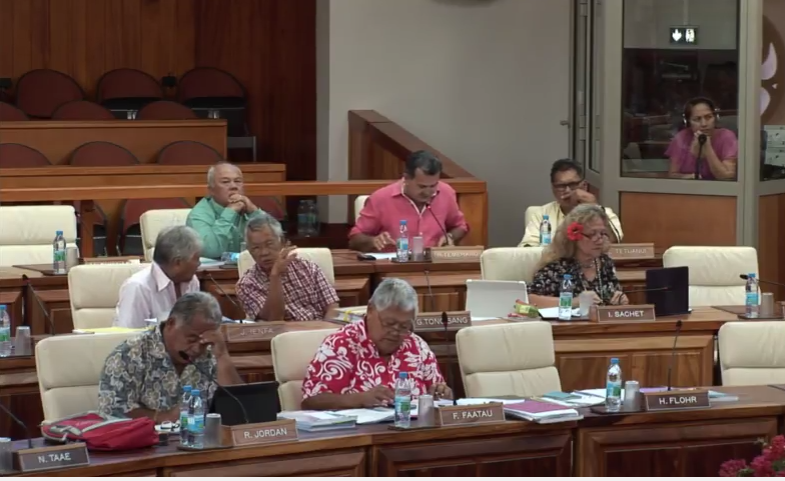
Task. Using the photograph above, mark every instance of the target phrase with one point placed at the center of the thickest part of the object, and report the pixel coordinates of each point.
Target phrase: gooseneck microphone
(190, 361)
(673, 352)
(441, 227)
(20, 423)
(223, 293)
(430, 292)
(772, 283)
(40, 304)
(446, 323)
(698, 161)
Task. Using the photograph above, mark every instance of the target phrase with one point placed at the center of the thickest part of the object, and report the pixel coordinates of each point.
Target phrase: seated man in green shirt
(220, 218)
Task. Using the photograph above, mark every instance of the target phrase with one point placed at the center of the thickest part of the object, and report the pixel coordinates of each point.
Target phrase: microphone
(40, 304)
(430, 292)
(185, 356)
(441, 227)
(773, 283)
(654, 289)
(20, 423)
(673, 352)
(701, 142)
(445, 323)
(223, 293)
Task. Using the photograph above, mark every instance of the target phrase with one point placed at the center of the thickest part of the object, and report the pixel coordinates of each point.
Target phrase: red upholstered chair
(40, 92)
(18, 156)
(130, 233)
(82, 110)
(165, 110)
(206, 89)
(189, 152)
(127, 89)
(10, 113)
(102, 154)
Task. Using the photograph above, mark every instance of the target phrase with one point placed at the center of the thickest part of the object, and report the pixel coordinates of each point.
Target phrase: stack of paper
(313, 421)
(541, 412)
(108, 330)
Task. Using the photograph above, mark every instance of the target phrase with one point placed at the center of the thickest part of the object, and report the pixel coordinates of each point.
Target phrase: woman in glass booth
(702, 149)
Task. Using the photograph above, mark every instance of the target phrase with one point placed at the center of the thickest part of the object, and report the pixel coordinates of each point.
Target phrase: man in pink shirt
(429, 207)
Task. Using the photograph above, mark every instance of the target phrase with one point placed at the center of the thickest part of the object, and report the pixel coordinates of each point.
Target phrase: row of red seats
(87, 110)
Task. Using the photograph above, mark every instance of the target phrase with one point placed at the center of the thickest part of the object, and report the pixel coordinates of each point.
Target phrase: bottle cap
(546, 216)
(187, 387)
(403, 375)
(59, 232)
(568, 276)
(195, 392)
(614, 360)
(403, 222)
(751, 274)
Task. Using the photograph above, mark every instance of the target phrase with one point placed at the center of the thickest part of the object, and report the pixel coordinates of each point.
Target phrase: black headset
(695, 101)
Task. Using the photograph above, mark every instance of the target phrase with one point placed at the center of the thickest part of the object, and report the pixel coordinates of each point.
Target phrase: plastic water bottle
(403, 242)
(545, 231)
(565, 298)
(185, 407)
(613, 386)
(751, 302)
(5, 332)
(58, 253)
(313, 218)
(403, 401)
(196, 420)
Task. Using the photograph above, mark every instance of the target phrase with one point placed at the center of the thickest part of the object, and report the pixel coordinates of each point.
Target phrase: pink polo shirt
(387, 207)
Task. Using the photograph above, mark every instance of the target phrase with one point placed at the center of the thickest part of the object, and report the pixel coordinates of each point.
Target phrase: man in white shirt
(152, 292)
(570, 189)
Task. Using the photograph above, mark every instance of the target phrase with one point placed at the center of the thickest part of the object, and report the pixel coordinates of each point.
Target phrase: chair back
(124, 83)
(751, 353)
(69, 369)
(359, 203)
(102, 154)
(153, 222)
(292, 353)
(39, 92)
(515, 359)
(27, 232)
(94, 291)
(510, 263)
(714, 272)
(206, 82)
(82, 110)
(20, 156)
(165, 110)
(189, 152)
(11, 113)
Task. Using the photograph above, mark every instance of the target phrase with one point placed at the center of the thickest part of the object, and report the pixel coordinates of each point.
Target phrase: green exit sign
(683, 35)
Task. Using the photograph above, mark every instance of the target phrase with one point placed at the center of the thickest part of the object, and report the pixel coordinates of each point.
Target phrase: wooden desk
(57, 139)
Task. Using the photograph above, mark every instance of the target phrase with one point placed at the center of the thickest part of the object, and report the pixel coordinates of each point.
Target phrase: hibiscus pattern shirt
(349, 362)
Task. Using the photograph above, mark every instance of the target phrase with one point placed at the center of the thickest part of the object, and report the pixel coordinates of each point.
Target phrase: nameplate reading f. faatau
(260, 433)
(51, 457)
(641, 313)
(258, 331)
(456, 254)
(477, 414)
(631, 251)
(675, 400)
(432, 321)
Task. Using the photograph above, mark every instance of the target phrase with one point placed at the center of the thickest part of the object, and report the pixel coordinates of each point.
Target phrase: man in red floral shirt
(358, 365)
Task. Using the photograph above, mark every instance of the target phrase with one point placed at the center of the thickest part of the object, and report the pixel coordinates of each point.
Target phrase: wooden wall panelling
(322, 463)
(676, 219)
(771, 238)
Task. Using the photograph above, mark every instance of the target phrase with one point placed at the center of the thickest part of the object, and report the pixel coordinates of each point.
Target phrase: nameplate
(260, 433)
(51, 457)
(456, 254)
(432, 321)
(643, 313)
(258, 331)
(477, 414)
(675, 400)
(631, 251)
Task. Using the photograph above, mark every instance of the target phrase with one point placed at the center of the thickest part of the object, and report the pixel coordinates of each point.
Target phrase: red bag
(102, 433)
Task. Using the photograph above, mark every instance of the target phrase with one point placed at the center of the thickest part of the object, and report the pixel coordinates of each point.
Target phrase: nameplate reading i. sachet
(433, 321)
(259, 331)
(642, 313)
(475, 414)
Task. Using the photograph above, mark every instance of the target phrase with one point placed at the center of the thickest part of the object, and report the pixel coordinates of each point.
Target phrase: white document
(479, 400)
(382, 415)
(553, 313)
(382, 256)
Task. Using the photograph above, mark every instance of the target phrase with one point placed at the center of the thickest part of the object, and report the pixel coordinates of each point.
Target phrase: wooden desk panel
(57, 139)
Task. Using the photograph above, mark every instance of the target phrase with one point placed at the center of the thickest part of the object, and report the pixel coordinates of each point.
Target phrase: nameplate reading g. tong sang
(477, 414)
(631, 251)
(50, 457)
(259, 331)
(432, 321)
(622, 313)
(675, 400)
(260, 433)
(456, 254)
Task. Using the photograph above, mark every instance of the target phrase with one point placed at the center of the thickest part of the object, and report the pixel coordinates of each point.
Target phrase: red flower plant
(575, 232)
(770, 463)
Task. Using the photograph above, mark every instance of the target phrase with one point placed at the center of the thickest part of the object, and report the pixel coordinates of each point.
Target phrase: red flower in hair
(575, 232)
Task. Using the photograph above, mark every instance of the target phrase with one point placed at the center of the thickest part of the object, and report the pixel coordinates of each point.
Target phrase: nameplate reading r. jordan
(631, 251)
(432, 321)
(259, 331)
(456, 254)
(260, 433)
(642, 313)
(477, 414)
(51, 457)
(675, 400)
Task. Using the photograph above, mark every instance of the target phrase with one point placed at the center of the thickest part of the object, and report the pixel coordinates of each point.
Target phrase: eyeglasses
(596, 236)
(567, 185)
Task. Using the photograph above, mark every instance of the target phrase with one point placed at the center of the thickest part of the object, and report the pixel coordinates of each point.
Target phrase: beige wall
(484, 81)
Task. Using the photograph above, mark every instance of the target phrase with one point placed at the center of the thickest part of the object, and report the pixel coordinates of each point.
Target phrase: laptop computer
(493, 299)
(673, 301)
(260, 400)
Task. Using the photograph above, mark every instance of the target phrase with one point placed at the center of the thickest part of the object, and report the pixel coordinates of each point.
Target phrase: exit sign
(684, 35)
